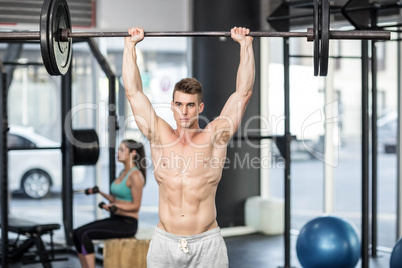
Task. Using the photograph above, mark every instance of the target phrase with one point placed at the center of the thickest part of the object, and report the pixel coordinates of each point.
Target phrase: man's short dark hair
(189, 86)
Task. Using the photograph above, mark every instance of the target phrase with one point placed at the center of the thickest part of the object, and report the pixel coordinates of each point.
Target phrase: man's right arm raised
(143, 112)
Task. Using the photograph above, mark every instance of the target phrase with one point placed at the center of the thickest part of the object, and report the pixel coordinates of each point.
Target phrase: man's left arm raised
(232, 113)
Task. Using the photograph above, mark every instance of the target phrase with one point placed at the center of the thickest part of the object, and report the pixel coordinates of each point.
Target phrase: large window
(310, 106)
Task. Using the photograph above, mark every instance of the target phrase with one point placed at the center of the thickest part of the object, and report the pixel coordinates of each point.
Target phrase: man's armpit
(153, 137)
(221, 137)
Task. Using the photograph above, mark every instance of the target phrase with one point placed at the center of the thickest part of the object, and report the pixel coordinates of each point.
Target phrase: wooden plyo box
(125, 253)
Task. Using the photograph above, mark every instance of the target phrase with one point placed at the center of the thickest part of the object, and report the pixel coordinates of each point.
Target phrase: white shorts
(207, 250)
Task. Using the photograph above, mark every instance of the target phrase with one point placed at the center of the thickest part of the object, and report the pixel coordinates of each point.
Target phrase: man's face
(185, 108)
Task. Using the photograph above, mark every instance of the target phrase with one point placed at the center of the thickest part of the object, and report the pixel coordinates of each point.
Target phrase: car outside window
(15, 142)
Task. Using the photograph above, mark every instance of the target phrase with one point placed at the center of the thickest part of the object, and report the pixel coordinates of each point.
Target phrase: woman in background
(124, 204)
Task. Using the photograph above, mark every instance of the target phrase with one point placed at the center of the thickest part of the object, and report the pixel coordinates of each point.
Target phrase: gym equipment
(56, 37)
(95, 190)
(56, 54)
(112, 209)
(396, 255)
(329, 242)
(21, 250)
(85, 146)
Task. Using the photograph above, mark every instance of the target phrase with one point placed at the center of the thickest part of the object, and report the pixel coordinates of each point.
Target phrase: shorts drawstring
(183, 245)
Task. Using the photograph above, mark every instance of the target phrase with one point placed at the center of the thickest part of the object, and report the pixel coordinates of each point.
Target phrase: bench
(125, 253)
(22, 250)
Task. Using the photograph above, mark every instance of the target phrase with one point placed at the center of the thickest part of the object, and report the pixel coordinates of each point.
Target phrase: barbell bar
(309, 34)
(55, 36)
(65, 35)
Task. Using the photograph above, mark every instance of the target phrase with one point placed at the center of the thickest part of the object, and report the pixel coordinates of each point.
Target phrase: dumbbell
(112, 209)
(95, 190)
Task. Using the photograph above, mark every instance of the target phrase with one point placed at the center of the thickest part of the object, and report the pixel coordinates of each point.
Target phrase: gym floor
(258, 250)
(252, 250)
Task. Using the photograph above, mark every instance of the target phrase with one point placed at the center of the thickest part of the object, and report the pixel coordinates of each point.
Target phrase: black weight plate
(44, 37)
(85, 147)
(324, 37)
(316, 28)
(60, 51)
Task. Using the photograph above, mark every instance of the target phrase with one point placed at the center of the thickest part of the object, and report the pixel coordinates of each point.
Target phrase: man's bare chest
(187, 158)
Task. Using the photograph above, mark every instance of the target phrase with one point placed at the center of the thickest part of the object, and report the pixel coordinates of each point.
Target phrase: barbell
(55, 36)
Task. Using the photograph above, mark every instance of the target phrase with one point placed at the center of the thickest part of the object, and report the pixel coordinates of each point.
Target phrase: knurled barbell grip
(360, 35)
(19, 36)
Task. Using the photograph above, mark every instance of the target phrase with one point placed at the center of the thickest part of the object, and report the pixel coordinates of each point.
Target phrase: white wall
(152, 15)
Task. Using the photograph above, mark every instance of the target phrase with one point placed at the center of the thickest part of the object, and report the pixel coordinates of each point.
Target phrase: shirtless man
(188, 161)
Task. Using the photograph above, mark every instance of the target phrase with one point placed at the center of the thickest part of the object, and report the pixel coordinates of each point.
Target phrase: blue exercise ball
(396, 255)
(329, 242)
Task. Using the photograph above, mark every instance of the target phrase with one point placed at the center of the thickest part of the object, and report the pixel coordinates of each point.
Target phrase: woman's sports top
(120, 190)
